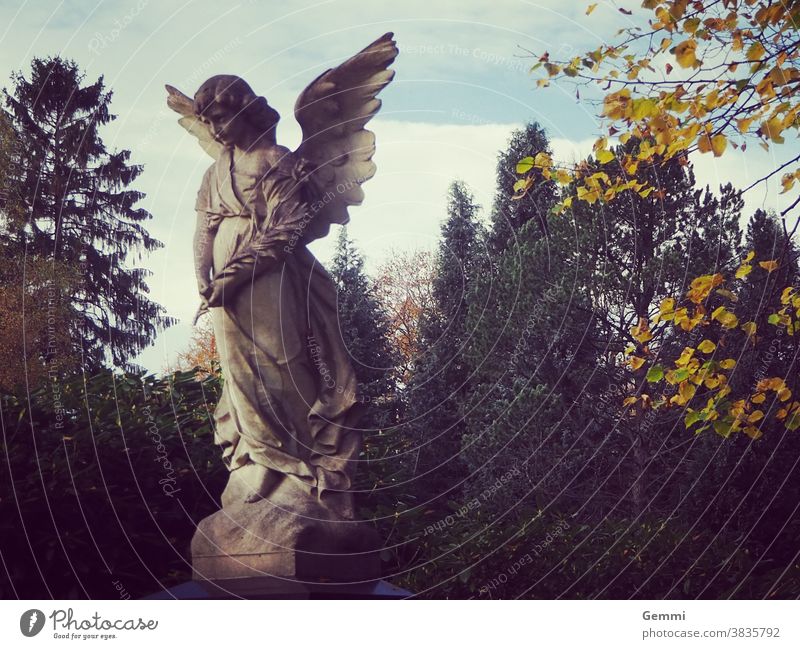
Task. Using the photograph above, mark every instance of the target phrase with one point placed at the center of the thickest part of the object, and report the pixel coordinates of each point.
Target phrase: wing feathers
(333, 112)
(183, 105)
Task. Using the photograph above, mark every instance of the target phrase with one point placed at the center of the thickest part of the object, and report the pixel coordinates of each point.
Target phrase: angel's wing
(182, 105)
(332, 112)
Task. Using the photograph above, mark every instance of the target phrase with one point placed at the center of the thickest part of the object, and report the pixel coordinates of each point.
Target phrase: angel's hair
(234, 93)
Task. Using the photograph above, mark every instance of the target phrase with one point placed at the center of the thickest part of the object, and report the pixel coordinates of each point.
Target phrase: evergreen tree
(534, 345)
(80, 211)
(641, 250)
(365, 330)
(382, 474)
(763, 472)
(441, 377)
(549, 343)
(509, 214)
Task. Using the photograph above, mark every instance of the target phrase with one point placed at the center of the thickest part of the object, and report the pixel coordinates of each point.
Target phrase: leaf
(772, 129)
(525, 165)
(728, 364)
(723, 428)
(641, 332)
(563, 177)
(755, 53)
(743, 271)
(718, 144)
(591, 8)
(706, 346)
(685, 53)
(542, 160)
(691, 418)
(768, 266)
(682, 374)
(686, 391)
(753, 432)
(685, 357)
(702, 286)
(728, 294)
(636, 362)
(655, 374)
(727, 319)
(644, 108)
(666, 311)
(604, 156)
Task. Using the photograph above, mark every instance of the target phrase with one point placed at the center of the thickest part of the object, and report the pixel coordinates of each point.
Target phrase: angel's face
(225, 125)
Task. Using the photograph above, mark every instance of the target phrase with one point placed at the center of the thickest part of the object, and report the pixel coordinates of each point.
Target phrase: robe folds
(290, 397)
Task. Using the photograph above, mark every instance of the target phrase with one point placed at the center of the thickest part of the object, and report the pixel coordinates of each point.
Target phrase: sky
(462, 85)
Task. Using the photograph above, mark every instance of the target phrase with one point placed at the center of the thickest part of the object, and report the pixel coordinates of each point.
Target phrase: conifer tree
(365, 330)
(508, 214)
(81, 211)
(441, 378)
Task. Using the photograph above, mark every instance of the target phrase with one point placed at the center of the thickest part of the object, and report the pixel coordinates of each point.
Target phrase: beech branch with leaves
(693, 77)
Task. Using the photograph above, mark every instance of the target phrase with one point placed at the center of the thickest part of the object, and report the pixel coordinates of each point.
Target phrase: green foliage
(81, 211)
(651, 511)
(107, 477)
(547, 555)
(365, 331)
(509, 215)
(435, 395)
(517, 471)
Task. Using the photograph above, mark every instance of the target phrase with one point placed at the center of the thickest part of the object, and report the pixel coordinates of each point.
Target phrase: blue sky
(461, 86)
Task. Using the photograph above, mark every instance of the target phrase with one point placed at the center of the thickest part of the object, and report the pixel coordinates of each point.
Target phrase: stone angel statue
(286, 417)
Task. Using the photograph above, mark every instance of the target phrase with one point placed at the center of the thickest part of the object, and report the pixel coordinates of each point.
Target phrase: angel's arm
(240, 271)
(269, 245)
(203, 251)
(203, 259)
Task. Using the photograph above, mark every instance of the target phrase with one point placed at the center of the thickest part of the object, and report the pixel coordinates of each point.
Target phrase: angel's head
(234, 113)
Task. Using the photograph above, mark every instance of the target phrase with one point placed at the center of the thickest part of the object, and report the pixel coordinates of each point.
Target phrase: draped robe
(289, 399)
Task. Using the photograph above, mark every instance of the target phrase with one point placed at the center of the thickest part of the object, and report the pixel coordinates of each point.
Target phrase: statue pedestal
(296, 539)
(287, 565)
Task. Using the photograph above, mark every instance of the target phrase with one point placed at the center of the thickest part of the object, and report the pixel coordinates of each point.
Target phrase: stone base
(300, 540)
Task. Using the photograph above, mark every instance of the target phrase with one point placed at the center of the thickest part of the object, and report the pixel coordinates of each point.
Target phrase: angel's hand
(201, 311)
(214, 293)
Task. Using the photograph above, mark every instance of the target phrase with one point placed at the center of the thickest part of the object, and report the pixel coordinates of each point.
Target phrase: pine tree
(81, 212)
(640, 251)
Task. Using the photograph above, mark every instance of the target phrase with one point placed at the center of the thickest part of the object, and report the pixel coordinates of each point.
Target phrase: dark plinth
(275, 588)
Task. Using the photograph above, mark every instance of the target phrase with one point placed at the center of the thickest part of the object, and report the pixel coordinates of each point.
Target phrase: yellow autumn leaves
(686, 54)
(696, 368)
(708, 109)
